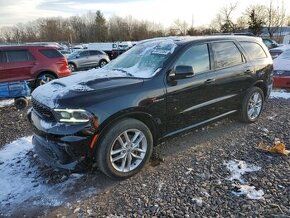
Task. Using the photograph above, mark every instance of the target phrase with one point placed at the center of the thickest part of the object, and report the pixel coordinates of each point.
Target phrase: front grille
(44, 111)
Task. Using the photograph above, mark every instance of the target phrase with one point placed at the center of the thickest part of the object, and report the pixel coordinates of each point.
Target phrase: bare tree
(275, 17)
(224, 19)
(180, 27)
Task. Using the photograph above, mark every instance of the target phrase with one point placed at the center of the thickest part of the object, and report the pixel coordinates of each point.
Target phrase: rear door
(83, 59)
(95, 58)
(233, 74)
(2, 66)
(17, 66)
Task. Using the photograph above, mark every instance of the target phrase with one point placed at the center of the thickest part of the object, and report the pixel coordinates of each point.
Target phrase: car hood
(78, 89)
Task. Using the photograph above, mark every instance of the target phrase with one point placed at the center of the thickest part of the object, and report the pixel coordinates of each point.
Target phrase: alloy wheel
(103, 63)
(128, 150)
(45, 79)
(254, 105)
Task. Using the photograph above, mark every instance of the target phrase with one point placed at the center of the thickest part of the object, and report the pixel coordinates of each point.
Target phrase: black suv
(161, 87)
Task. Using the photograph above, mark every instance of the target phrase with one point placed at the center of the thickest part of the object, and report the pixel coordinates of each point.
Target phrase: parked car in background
(113, 49)
(37, 64)
(270, 43)
(281, 77)
(65, 53)
(275, 52)
(161, 87)
(85, 59)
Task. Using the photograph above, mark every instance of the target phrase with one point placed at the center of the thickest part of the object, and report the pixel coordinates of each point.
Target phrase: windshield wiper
(124, 71)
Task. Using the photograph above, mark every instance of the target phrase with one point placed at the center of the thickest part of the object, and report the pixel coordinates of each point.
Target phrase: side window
(84, 54)
(95, 53)
(51, 53)
(226, 54)
(19, 55)
(267, 43)
(197, 56)
(2, 57)
(254, 50)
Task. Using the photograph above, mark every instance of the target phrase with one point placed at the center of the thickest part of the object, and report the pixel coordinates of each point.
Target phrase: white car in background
(281, 65)
(275, 52)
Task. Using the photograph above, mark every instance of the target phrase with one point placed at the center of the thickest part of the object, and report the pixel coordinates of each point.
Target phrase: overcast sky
(160, 11)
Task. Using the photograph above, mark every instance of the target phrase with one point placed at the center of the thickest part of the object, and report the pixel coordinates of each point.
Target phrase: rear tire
(125, 149)
(44, 78)
(20, 103)
(252, 105)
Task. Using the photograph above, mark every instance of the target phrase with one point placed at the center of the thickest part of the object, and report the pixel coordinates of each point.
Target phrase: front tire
(124, 149)
(72, 67)
(252, 105)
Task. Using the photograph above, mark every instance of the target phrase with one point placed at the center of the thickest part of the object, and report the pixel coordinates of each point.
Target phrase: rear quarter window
(19, 55)
(51, 53)
(226, 54)
(254, 50)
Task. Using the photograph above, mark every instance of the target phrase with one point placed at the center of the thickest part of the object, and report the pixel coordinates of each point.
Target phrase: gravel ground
(192, 179)
(13, 124)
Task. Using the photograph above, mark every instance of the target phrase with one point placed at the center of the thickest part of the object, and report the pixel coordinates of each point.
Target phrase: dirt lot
(192, 181)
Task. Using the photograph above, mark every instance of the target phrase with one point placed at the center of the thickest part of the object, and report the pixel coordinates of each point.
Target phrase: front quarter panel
(148, 99)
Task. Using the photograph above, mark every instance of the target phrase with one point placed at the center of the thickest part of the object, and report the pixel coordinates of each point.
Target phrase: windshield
(143, 60)
(73, 54)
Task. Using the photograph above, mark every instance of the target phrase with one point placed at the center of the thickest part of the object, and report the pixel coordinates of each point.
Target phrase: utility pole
(192, 20)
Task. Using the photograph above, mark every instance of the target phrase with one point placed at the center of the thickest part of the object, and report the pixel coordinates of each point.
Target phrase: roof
(179, 40)
(25, 46)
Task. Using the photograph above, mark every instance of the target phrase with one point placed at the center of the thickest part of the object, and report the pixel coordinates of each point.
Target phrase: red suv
(38, 64)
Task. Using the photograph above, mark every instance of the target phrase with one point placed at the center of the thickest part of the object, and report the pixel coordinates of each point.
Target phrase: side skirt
(199, 124)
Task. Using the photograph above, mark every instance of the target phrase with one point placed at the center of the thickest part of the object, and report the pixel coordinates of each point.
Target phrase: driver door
(190, 101)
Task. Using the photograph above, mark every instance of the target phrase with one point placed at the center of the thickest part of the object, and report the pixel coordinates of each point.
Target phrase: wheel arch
(46, 71)
(71, 62)
(142, 116)
(260, 84)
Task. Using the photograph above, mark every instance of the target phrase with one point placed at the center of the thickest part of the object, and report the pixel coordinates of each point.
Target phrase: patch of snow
(197, 200)
(238, 168)
(4, 103)
(160, 185)
(280, 94)
(50, 92)
(249, 191)
(189, 170)
(22, 182)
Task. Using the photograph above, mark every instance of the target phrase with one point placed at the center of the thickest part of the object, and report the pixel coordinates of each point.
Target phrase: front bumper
(60, 145)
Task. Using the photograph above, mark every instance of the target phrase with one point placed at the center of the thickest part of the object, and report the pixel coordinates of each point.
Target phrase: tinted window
(95, 53)
(267, 42)
(226, 54)
(197, 57)
(254, 49)
(2, 57)
(19, 55)
(51, 53)
(84, 54)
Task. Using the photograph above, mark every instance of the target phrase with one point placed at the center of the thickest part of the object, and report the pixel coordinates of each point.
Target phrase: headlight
(72, 115)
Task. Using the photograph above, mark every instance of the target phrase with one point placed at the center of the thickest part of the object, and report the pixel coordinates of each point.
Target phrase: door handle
(209, 81)
(248, 71)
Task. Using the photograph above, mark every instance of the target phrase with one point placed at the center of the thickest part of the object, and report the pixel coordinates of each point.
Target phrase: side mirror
(181, 72)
